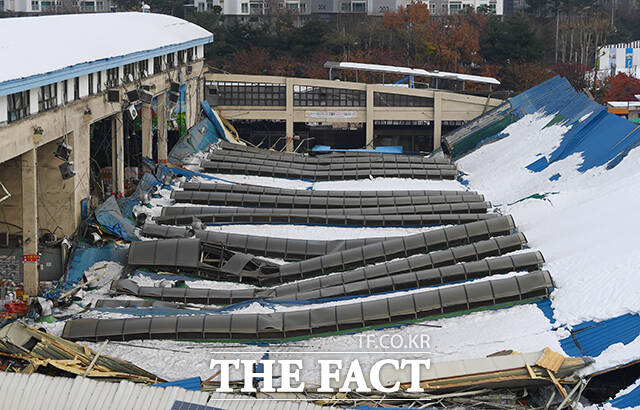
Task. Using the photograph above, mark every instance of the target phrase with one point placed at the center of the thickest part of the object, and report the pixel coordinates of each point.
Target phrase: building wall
(619, 58)
(3, 110)
(58, 199)
(57, 6)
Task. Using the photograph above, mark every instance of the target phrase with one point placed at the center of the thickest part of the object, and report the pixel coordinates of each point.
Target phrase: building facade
(56, 6)
(55, 85)
(619, 58)
(254, 10)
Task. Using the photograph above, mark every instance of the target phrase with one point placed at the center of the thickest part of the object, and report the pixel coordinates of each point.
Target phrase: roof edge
(38, 80)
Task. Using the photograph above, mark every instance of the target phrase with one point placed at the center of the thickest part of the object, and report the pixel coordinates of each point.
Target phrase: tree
(512, 40)
(621, 88)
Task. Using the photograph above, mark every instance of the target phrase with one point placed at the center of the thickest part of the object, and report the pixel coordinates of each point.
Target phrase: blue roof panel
(591, 338)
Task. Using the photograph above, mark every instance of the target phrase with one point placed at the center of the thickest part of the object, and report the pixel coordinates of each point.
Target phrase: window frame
(47, 97)
(16, 113)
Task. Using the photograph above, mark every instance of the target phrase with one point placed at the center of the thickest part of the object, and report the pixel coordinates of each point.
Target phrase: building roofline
(38, 80)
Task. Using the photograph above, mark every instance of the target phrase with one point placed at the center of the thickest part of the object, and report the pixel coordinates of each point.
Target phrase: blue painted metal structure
(631, 399)
(592, 338)
(192, 383)
(600, 137)
(392, 149)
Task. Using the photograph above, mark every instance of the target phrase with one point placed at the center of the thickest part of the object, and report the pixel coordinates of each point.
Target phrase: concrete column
(437, 119)
(369, 124)
(161, 100)
(289, 114)
(117, 154)
(147, 131)
(30, 221)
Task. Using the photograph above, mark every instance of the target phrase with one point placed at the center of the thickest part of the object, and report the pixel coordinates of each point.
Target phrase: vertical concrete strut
(437, 119)
(369, 125)
(30, 221)
(161, 100)
(117, 153)
(289, 107)
(147, 131)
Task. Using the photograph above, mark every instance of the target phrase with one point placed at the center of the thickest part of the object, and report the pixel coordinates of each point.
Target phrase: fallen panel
(198, 258)
(309, 202)
(323, 320)
(267, 246)
(265, 190)
(249, 217)
(238, 266)
(235, 149)
(347, 259)
(283, 171)
(340, 165)
(337, 285)
(460, 208)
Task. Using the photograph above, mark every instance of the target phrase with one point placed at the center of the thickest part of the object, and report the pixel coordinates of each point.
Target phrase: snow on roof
(47, 44)
(411, 71)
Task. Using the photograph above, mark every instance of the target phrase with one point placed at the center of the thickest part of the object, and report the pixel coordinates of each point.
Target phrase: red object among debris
(17, 308)
(30, 258)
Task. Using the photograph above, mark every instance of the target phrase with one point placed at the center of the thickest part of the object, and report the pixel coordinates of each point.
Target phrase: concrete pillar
(437, 119)
(161, 100)
(30, 222)
(80, 184)
(289, 114)
(117, 154)
(369, 124)
(147, 131)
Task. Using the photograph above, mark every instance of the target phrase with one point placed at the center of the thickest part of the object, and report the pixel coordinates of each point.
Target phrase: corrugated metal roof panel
(39, 391)
(630, 399)
(226, 401)
(591, 338)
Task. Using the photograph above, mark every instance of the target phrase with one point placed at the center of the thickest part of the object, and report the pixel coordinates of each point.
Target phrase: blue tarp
(592, 338)
(84, 256)
(192, 383)
(108, 215)
(198, 138)
(147, 185)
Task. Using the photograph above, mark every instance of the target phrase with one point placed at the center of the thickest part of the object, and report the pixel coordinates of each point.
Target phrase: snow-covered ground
(584, 224)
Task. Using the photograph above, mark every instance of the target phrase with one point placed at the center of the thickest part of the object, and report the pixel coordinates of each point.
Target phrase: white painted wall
(3, 110)
(150, 67)
(200, 52)
(84, 86)
(60, 93)
(33, 101)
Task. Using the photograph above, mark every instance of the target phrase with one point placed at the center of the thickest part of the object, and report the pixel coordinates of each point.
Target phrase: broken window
(90, 80)
(157, 65)
(143, 68)
(129, 73)
(76, 88)
(112, 77)
(171, 60)
(47, 97)
(180, 57)
(99, 82)
(18, 106)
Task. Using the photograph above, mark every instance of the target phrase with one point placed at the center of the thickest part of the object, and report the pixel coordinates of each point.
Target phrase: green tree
(512, 40)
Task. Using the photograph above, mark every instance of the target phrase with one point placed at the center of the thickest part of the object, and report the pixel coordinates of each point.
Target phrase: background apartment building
(253, 10)
(56, 6)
